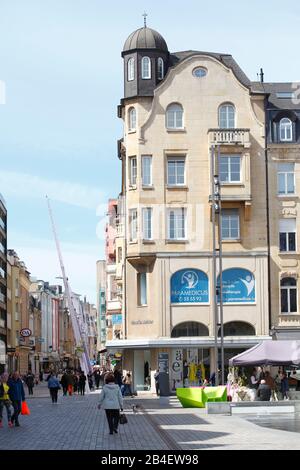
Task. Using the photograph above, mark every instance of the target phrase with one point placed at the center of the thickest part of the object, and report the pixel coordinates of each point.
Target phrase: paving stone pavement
(75, 423)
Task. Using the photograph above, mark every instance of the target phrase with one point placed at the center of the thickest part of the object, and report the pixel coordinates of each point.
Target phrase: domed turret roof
(145, 38)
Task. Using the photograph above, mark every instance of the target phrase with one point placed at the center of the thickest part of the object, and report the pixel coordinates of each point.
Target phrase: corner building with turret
(178, 110)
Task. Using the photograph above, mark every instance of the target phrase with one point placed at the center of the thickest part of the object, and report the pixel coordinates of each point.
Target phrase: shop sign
(177, 368)
(238, 286)
(116, 319)
(25, 332)
(163, 362)
(189, 286)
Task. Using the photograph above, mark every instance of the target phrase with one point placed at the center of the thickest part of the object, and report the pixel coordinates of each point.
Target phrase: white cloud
(26, 186)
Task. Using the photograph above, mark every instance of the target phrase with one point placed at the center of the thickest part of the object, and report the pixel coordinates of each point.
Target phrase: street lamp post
(217, 253)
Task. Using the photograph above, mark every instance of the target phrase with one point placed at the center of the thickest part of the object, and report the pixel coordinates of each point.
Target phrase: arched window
(174, 116)
(189, 329)
(132, 119)
(286, 130)
(288, 288)
(227, 116)
(130, 69)
(237, 328)
(160, 68)
(146, 68)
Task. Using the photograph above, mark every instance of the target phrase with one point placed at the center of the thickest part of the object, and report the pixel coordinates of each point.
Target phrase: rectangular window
(176, 171)
(132, 170)
(286, 178)
(230, 168)
(287, 235)
(230, 224)
(146, 170)
(147, 223)
(142, 288)
(177, 224)
(133, 224)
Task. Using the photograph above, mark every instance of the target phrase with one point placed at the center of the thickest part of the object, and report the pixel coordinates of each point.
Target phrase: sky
(61, 79)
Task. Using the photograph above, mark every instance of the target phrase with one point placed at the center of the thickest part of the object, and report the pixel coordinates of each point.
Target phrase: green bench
(196, 397)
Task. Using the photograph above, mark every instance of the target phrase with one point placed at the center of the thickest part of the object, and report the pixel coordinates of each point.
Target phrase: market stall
(273, 353)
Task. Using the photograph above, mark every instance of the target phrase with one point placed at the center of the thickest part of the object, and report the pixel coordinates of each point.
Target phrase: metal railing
(229, 136)
(2, 223)
(2, 298)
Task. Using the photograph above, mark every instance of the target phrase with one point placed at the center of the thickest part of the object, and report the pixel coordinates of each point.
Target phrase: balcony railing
(2, 273)
(2, 298)
(229, 136)
(2, 224)
(2, 249)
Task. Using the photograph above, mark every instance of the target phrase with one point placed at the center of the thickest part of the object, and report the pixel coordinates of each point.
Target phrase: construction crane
(78, 324)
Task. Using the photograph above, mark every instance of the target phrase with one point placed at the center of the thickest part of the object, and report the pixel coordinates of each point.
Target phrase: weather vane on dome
(145, 19)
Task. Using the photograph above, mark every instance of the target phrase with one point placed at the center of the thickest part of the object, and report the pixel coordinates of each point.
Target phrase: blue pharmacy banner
(116, 319)
(189, 286)
(238, 286)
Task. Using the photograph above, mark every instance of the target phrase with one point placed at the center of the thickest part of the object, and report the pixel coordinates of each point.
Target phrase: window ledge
(133, 242)
(132, 131)
(291, 314)
(182, 130)
(147, 187)
(289, 253)
(132, 187)
(232, 184)
(182, 187)
(148, 242)
(177, 241)
(232, 240)
(288, 196)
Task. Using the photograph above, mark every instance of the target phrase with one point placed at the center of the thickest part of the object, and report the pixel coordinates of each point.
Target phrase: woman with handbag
(54, 386)
(112, 401)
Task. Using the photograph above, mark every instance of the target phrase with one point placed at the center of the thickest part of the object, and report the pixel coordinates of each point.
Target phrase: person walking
(81, 383)
(64, 383)
(29, 380)
(54, 386)
(112, 401)
(118, 377)
(97, 376)
(4, 399)
(284, 385)
(156, 378)
(127, 385)
(17, 395)
(70, 383)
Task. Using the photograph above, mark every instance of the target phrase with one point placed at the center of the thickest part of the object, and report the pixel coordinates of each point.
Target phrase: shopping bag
(25, 410)
(123, 419)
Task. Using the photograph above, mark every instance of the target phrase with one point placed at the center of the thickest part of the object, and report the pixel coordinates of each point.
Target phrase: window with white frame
(132, 119)
(288, 291)
(174, 116)
(175, 171)
(160, 68)
(147, 223)
(177, 224)
(230, 168)
(286, 178)
(142, 288)
(146, 170)
(286, 130)
(230, 227)
(130, 69)
(227, 116)
(287, 235)
(146, 68)
(133, 224)
(132, 171)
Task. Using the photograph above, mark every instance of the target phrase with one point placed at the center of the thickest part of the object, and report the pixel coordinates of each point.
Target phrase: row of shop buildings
(183, 113)
(36, 329)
